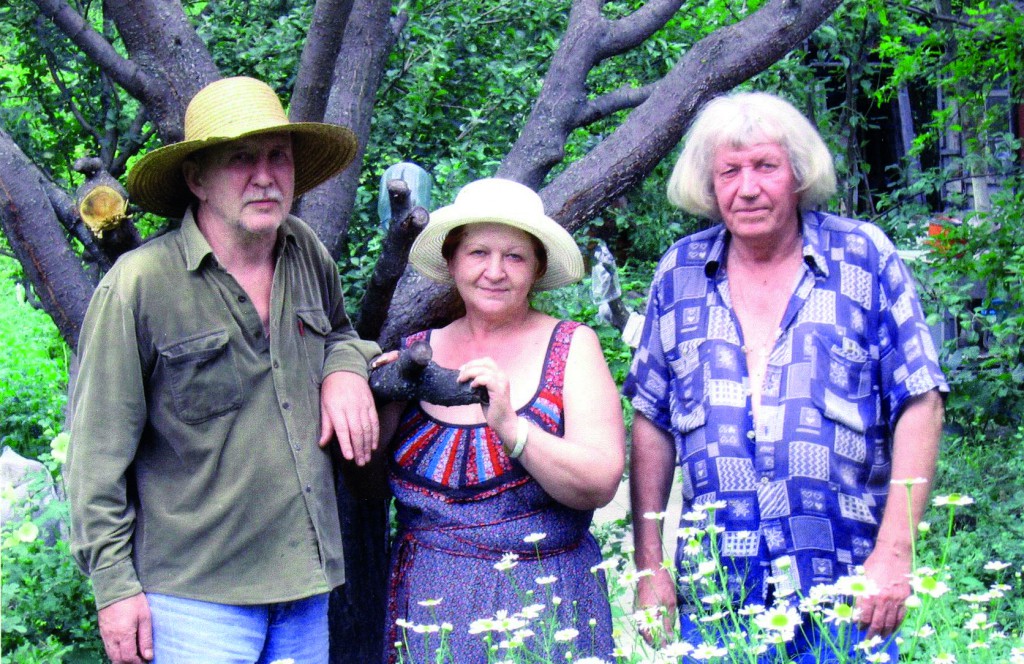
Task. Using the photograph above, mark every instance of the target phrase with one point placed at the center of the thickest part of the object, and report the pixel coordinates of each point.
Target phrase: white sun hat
(495, 200)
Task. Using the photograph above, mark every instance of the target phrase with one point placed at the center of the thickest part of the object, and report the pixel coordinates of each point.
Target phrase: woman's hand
(501, 416)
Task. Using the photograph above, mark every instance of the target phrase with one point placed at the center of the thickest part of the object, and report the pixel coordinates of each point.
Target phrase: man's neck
(236, 249)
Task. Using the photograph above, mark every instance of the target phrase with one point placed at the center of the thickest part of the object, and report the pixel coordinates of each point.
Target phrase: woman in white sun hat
(493, 500)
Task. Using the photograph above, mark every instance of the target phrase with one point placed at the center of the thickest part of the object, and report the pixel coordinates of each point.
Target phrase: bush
(48, 608)
(33, 370)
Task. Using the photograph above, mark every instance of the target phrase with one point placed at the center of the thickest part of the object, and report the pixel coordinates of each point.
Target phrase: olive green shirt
(194, 468)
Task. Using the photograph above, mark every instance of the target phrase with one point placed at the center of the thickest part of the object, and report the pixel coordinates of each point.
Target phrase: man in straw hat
(217, 364)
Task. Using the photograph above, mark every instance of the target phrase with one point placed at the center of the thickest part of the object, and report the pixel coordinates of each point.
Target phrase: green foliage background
(456, 92)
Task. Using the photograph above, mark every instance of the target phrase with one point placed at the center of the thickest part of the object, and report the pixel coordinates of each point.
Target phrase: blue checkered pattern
(811, 480)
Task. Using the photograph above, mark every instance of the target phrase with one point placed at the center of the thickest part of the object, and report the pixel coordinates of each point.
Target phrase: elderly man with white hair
(787, 369)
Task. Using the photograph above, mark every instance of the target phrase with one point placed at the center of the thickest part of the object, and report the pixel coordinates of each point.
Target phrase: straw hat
(504, 202)
(226, 110)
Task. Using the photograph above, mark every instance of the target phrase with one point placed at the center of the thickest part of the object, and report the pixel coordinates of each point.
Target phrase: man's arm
(915, 451)
(107, 415)
(652, 467)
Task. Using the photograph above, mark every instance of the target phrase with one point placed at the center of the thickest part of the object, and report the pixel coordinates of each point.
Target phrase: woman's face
(494, 267)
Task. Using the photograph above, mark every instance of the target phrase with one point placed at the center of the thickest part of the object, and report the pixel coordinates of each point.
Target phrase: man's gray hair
(743, 119)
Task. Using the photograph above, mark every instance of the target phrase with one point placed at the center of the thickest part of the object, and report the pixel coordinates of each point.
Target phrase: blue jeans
(809, 646)
(188, 631)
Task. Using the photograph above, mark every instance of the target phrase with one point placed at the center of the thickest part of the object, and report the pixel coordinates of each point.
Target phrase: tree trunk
(35, 236)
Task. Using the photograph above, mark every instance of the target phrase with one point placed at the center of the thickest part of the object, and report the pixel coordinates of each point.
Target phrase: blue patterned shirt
(804, 489)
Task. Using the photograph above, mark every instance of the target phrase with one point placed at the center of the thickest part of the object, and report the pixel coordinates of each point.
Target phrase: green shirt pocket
(202, 376)
(314, 327)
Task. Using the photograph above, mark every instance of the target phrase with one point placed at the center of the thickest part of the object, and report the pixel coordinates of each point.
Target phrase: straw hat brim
(565, 262)
(157, 185)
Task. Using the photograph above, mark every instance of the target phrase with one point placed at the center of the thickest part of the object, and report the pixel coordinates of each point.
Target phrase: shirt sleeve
(107, 415)
(648, 382)
(344, 350)
(908, 355)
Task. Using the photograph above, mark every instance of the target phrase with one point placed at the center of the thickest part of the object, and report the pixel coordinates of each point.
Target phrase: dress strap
(553, 377)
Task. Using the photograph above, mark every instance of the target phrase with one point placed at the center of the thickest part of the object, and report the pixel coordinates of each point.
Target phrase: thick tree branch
(312, 88)
(406, 223)
(31, 228)
(64, 210)
(713, 66)
(627, 33)
(157, 34)
(357, 74)
(127, 74)
(603, 106)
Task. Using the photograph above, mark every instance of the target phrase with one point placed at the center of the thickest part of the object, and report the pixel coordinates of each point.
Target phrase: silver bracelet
(522, 432)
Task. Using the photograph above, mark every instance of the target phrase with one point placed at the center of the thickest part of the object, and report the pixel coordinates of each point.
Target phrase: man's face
(245, 186)
(756, 190)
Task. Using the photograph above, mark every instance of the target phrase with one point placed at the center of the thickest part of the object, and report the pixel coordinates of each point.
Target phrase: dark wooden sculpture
(415, 376)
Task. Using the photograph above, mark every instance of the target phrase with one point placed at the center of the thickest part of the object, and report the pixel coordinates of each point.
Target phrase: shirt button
(764, 480)
(242, 299)
(309, 489)
(286, 406)
(277, 365)
(750, 435)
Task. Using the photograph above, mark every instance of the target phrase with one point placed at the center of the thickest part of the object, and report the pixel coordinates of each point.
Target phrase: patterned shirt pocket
(845, 388)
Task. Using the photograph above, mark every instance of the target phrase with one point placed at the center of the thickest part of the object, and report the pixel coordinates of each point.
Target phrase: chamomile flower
(925, 631)
(910, 481)
(840, 614)
(779, 619)
(952, 500)
(507, 562)
(564, 635)
(673, 651)
(533, 538)
(708, 652)
(928, 585)
(531, 611)
(629, 578)
(856, 586)
(648, 619)
(429, 602)
(546, 580)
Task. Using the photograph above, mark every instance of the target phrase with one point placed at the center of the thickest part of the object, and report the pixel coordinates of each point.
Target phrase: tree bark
(406, 223)
(713, 66)
(312, 88)
(31, 228)
(369, 38)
